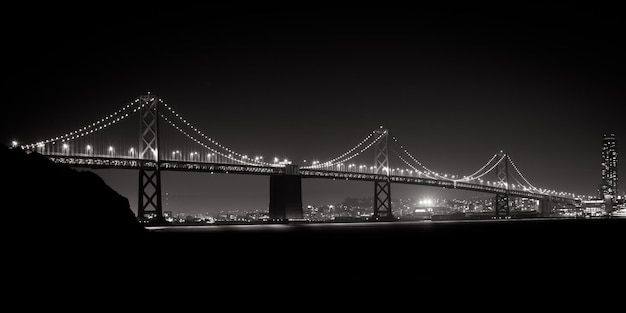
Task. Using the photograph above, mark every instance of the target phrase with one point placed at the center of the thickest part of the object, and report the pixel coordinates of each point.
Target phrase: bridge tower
(502, 205)
(149, 208)
(382, 188)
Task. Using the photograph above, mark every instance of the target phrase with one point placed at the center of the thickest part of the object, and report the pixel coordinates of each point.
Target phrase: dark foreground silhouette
(43, 201)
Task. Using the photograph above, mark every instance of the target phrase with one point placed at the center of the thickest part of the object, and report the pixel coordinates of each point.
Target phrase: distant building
(608, 187)
(593, 207)
(167, 215)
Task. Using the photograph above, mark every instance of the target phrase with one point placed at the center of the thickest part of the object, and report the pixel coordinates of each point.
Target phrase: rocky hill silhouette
(53, 200)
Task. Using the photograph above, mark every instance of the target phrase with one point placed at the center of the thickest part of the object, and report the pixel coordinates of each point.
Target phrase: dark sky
(455, 86)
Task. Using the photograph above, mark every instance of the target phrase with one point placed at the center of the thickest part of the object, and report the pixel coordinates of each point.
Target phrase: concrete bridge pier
(286, 194)
(545, 206)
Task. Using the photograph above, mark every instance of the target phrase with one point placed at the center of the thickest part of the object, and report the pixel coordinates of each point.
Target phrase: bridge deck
(170, 165)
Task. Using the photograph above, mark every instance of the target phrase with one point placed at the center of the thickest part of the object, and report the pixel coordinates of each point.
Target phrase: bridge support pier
(150, 209)
(382, 201)
(545, 206)
(502, 205)
(286, 195)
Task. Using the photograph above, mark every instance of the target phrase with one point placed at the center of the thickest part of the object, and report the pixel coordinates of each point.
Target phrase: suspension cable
(524, 178)
(411, 166)
(208, 147)
(482, 168)
(342, 158)
(491, 168)
(87, 129)
(214, 142)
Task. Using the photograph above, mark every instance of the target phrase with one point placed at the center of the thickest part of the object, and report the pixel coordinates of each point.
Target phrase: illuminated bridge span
(167, 141)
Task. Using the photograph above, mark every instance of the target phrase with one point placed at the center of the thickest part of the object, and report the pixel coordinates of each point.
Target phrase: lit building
(167, 215)
(593, 207)
(608, 187)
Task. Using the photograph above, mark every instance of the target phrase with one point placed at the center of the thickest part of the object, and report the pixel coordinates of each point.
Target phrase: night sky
(455, 86)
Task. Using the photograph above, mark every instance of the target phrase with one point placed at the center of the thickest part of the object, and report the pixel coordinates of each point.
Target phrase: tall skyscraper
(608, 188)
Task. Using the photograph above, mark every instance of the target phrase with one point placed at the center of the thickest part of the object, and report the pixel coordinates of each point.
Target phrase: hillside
(43, 198)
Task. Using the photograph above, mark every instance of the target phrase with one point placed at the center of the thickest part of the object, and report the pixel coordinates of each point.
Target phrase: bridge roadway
(190, 166)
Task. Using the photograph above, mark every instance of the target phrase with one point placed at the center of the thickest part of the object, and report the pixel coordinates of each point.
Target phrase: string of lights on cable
(87, 129)
(214, 142)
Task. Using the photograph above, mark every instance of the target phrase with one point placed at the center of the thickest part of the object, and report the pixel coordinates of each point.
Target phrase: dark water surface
(537, 243)
(516, 258)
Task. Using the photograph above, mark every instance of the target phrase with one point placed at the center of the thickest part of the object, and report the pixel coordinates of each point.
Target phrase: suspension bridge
(167, 141)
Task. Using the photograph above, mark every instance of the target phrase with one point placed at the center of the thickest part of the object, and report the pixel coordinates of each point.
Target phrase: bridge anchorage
(169, 142)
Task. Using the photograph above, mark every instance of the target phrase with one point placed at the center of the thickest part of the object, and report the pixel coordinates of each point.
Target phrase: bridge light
(88, 147)
(110, 149)
(65, 146)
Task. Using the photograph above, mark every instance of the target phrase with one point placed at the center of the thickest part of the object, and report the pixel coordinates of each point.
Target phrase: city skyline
(297, 86)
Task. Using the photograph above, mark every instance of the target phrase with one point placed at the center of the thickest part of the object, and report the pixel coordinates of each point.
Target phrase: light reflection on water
(275, 227)
(333, 225)
(208, 228)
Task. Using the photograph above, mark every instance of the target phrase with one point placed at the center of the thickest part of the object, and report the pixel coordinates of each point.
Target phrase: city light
(426, 202)
(14, 143)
